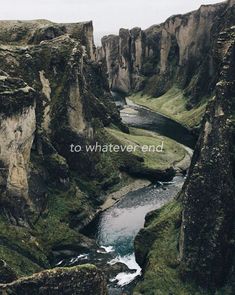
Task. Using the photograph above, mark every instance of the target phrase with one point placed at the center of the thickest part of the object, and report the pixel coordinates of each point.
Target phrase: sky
(108, 16)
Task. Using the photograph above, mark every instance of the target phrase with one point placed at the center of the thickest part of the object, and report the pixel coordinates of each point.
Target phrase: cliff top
(17, 32)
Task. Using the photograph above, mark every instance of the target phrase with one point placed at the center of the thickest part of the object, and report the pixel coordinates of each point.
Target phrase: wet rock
(112, 270)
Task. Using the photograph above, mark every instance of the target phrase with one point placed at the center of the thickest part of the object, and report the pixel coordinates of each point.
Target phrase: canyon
(55, 90)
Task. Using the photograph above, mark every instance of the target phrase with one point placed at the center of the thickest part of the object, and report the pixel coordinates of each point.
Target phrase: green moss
(57, 166)
(172, 151)
(159, 241)
(54, 225)
(21, 264)
(173, 104)
(28, 250)
(78, 267)
(161, 276)
(21, 249)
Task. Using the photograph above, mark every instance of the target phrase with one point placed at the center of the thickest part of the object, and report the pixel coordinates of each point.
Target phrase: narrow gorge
(74, 222)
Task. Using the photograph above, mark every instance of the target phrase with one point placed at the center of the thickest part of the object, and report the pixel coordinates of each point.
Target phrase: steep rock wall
(208, 195)
(187, 246)
(17, 134)
(52, 94)
(177, 51)
(33, 32)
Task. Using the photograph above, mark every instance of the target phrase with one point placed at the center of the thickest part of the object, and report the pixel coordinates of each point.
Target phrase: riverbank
(173, 105)
(142, 117)
(114, 197)
(117, 227)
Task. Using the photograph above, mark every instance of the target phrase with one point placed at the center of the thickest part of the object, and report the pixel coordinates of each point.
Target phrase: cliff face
(18, 124)
(123, 57)
(206, 244)
(33, 32)
(66, 95)
(177, 51)
(52, 94)
(191, 240)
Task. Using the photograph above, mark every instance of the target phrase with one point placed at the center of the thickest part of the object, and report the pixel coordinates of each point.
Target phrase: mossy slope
(157, 250)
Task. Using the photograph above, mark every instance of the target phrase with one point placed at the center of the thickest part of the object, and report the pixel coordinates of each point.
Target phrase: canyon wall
(69, 94)
(33, 32)
(18, 125)
(52, 94)
(207, 230)
(187, 247)
(178, 51)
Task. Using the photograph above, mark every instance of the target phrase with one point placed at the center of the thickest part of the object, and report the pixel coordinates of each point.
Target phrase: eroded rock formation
(18, 125)
(65, 95)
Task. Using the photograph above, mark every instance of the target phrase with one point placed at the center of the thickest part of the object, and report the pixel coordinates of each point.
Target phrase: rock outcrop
(206, 244)
(82, 280)
(18, 125)
(34, 32)
(179, 50)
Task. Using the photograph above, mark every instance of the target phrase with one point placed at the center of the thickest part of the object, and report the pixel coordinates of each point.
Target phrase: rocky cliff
(178, 51)
(65, 97)
(33, 32)
(206, 242)
(189, 243)
(17, 135)
(52, 94)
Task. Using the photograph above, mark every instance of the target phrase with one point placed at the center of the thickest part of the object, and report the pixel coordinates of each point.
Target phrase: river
(141, 117)
(116, 228)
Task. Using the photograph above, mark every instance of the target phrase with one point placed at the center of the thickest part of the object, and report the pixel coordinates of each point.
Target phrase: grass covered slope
(157, 250)
(173, 152)
(156, 246)
(172, 104)
(27, 251)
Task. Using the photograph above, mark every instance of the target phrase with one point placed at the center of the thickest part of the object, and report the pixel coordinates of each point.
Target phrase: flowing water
(115, 230)
(118, 226)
